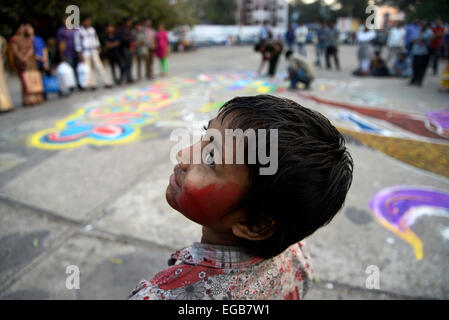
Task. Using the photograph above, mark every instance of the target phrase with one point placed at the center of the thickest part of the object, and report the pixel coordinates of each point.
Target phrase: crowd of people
(79, 54)
(402, 50)
(411, 50)
(298, 70)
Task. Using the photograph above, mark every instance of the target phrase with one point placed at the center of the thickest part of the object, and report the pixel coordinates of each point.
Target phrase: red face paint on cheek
(210, 203)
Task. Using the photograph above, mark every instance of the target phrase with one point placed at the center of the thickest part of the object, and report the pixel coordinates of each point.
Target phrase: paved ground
(82, 181)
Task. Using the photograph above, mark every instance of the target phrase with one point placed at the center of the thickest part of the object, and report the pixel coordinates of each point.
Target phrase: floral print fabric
(211, 272)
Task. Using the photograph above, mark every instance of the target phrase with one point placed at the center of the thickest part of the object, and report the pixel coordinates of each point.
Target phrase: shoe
(108, 86)
(307, 86)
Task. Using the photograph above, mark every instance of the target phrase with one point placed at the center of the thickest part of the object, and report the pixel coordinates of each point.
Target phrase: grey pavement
(103, 208)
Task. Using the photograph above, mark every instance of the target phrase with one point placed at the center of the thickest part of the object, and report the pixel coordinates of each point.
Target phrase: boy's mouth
(173, 179)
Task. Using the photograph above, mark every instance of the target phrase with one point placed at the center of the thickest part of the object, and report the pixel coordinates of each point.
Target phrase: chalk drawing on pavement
(119, 119)
(397, 208)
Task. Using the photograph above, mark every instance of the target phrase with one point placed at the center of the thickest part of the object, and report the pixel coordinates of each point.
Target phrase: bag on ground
(50, 84)
(33, 81)
(66, 77)
(83, 72)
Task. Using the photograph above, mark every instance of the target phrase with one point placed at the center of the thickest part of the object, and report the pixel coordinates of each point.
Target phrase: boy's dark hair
(288, 53)
(313, 177)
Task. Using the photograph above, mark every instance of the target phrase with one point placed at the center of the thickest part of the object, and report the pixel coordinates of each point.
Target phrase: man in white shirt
(365, 52)
(395, 41)
(301, 38)
(87, 46)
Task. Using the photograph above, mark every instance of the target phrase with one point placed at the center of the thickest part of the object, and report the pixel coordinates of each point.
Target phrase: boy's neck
(212, 236)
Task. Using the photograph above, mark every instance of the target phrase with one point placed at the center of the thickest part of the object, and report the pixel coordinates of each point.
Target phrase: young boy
(254, 224)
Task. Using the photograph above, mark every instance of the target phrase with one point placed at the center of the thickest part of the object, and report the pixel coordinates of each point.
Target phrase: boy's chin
(171, 199)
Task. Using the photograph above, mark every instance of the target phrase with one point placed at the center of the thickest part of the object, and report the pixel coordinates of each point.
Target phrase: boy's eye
(210, 159)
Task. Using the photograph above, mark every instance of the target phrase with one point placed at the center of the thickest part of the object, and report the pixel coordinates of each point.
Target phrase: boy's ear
(253, 233)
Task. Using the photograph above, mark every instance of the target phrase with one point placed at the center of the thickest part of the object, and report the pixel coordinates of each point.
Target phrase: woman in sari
(5, 99)
(25, 62)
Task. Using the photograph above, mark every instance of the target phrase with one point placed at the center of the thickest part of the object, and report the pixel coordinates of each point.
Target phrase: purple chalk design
(397, 208)
(439, 121)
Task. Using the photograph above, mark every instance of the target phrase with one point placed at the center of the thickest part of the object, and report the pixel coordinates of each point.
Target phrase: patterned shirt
(86, 41)
(212, 272)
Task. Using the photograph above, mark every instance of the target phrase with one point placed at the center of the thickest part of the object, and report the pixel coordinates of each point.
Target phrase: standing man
(395, 41)
(66, 46)
(321, 42)
(41, 53)
(435, 45)
(112, 47)
(411, 33)
(265, 33)
(332, 45)
(420, 53)
(141, 48)
(301, 38)
(290, 37)
(126, 40)
(151, 43)
(271, 51)
(364, 53)
(87, 46)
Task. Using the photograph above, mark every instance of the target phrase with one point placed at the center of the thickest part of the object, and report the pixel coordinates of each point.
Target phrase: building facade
(256, 12)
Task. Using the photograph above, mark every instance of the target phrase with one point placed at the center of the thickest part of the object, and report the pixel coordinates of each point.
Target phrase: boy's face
(208, 193)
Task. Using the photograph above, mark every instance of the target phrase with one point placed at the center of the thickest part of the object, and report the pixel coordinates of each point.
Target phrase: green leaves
(48, 14)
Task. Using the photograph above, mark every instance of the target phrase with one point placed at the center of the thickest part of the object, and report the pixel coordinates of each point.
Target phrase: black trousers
(420, 63)
(332, 51)
(116, 61)
(127, 65)
(434, 55)
(273, 64)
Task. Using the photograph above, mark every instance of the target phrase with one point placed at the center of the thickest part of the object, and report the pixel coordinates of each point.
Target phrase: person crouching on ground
(254, 221)
(299, 70)
(378, 66)
(271, 50)
(401, 67)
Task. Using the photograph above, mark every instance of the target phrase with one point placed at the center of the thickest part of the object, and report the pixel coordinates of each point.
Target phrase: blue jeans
(302, 48)
(299, 76)
(320, 48)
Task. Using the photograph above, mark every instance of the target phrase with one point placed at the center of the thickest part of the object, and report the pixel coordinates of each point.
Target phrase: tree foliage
(46, 15)
(215, 11)
(311, 12)
(424, 9)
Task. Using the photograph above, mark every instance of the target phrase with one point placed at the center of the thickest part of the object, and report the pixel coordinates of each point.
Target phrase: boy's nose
(183, 156)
